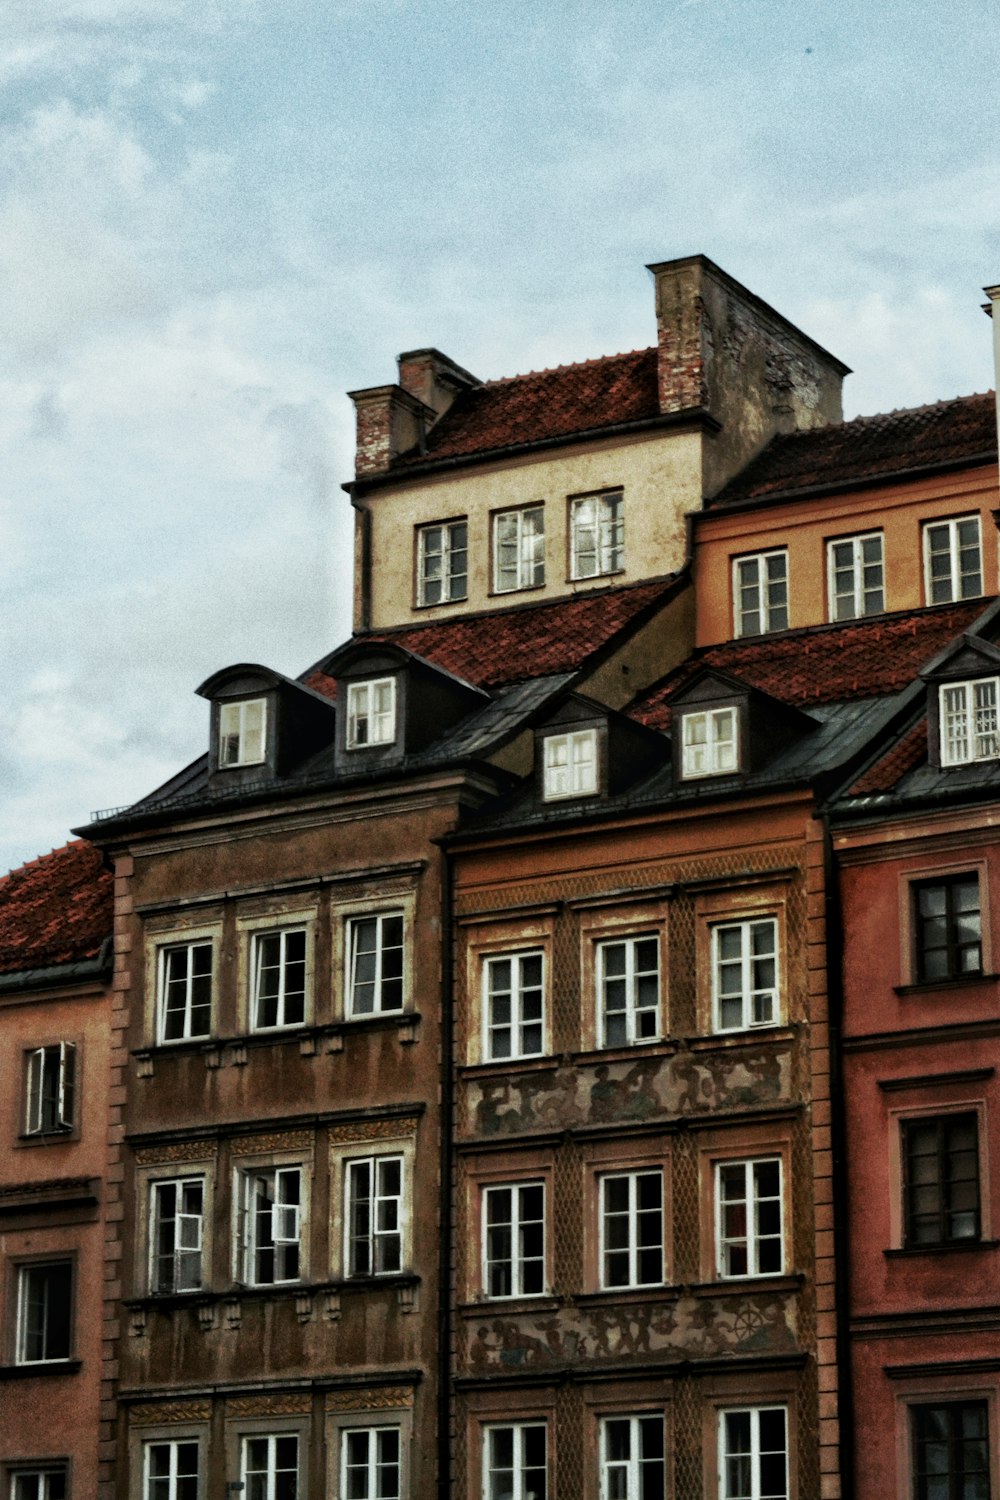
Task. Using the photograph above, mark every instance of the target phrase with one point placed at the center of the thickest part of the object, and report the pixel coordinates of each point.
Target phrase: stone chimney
(394, 418)
(433, 378)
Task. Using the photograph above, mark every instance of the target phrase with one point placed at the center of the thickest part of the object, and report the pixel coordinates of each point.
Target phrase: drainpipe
(447, 1186)
(363, 584)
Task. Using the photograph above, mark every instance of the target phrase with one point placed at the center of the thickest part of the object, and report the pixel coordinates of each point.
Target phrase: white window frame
(448, 578)
(353, 927)
(954, 580)
(633, 1247)
(242, 735)
(603, 530)
(256, 969)
(755, 1491)
(749, 995)
(58, 1058)
(187, 1224)
(517, 1024)
(377, 1201)
(858, 595)
(287, 1222)
(24, 1271)
(38, 1476)
(362, 708)
(272, 1439)
(517, 1431)
(969, 726)
(162, 959)
(567, 770)
(516, 1262)
(633, 1465)
(632, 1011)
(763, 584)
(374, 1484)
(752, 1241)
(713, 747)
(174, 1445)
(528, 571)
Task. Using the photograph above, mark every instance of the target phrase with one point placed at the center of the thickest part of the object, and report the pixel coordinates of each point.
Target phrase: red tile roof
(55, 910)
(948, 432)
(824, 663)
(543, 405)
(906, 755)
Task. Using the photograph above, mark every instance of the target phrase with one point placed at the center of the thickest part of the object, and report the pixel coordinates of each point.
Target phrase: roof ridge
(38, 859)
(581, 364)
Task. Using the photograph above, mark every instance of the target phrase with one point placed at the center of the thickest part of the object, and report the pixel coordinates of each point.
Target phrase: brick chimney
(394, 418)
(433, 378)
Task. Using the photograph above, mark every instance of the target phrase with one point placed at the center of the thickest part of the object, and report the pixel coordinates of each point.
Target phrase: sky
(218, 216)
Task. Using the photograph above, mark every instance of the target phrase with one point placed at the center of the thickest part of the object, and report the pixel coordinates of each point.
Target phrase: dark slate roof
(948, 433)
(55, 910)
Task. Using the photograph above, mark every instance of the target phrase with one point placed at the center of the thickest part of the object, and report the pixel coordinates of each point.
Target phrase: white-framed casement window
(855, 576)
(176, 1234)
(184, 991)
(374, 952)
(519, 549)
(970, 729)
(278, 964)
(373, 1215)
(242, 733)
(269, 1466)
(632, 1458)
(597, 534)
(753, 1453)
(170, 1469)
(442, 563)
(514, 1239)
(51, 1089)
(515, 1464)
(709, 742)
(271, 1221)
(760, 593)
(371, 713)
(514, 1005)
(745, 974)
(631, 1229)
(44, 1312)
(628, 990)
(48, 1483)
(570, 764)
(953, 560)
(749, 1217)
(371, 1463)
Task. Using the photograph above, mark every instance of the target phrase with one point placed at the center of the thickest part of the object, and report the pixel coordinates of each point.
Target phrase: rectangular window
(442, 563)
(597, 531)
(710, 743)
(570, 764)
(514, 1005)
(632, 1458)
(270, 1467)
(39, 1484)
(514, 1240)
(941, 1179)
(749, 1218)
(969, 728)
(371, 713)
(631, 1207)
(279, 979)
(51, 1089)
(44, 1312)
(272, 1226)
(370, 1463)
(760, 591)
(753, 1453)
(948, 928)
(519, 549)
(177, 1217)
(170, 1470)
(375, 1216)
(242, 732)
(628, 988)
(185, 991)
(951, 1459)
(953, 567)
(375, 964)
(514, 1460)
(745, 974)
(856, 577)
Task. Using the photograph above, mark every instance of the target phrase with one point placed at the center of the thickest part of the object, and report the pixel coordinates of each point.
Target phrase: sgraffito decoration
(377, 1398)
(295, 1404)
(154, 1412)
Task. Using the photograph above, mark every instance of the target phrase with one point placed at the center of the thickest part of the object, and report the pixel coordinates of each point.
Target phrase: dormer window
(709, 743)
(570, 768)
(371, 713)
(969, 725)
(241, 732)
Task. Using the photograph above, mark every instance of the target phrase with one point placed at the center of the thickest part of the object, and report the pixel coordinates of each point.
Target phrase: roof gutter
(842, 486)
(52, 976)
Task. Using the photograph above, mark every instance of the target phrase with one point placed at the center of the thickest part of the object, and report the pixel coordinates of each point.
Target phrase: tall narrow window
(632, 1229)
(948, 928)
(749, 1217)
(242, 732)
(628, 986)
(941, 1179)
(951, 1459)
(442, 563)
(370, 1463)
(371, 713)
(570, 764)
(856, 576)
(514, 1459)
(745, 974)
(44, 1312)
(953, 566)
(753, 1453)
(185, 991)
(969, 723)
(374, 1216)
(514, 1240)
(375, 964)
(279, 979)
(271, 1467)
(514, 1005)
(272, 1226)
(519, 549)
(597, 534)
(710, 743)
(170, 1471)
(632, 1458)
(760, 589)
(177, 1223)
(51, 1090)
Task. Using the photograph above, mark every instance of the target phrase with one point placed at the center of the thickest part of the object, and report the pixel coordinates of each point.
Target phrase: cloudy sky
(217, 216)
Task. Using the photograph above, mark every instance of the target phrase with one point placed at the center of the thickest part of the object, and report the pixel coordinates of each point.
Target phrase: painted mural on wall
(650, 1087)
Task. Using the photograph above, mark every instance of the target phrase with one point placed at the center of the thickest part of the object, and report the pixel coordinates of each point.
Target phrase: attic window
(969, 728)
(709, 743)
(371, 713)
(570, 768)
(241, 732)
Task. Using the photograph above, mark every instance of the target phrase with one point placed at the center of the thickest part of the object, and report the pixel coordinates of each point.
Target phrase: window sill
(933, 986)
(626, 1295)
(950, 1247)
(744, 1286)
(31, 1372)
(501, 1067)
(660, 1046)
(751, 1037)
(309, 1299)
(310, 1040)
(496, 1306)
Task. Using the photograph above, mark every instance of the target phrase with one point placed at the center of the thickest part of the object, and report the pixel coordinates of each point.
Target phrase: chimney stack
(391, 419)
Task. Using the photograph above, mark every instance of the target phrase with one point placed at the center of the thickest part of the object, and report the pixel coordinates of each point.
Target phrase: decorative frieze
(288, 1404)
(153, 1156)
(150, 1412)
(375, 1398)
(278, 1140)
(373, 1130)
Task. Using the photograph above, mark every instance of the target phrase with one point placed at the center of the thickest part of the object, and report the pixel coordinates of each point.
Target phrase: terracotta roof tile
(904, 756)
(924, 436)
(55, 910)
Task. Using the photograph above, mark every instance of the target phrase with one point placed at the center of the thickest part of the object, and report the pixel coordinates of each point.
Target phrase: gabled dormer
(586, 751)
(963, 703)
(722, 727)
(263, 724)
(392, 704)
